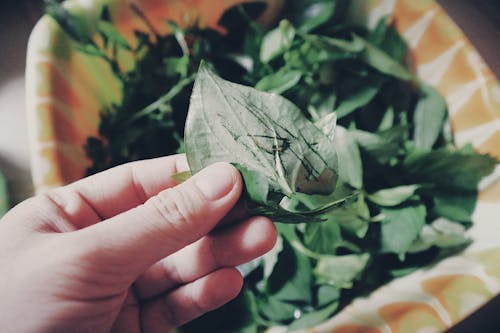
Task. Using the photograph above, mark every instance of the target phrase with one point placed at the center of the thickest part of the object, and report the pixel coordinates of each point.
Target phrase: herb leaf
(259, 131)
(401, 227)
(429, 118)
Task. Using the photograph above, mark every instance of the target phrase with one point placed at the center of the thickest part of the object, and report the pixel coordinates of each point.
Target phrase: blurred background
(479, 19)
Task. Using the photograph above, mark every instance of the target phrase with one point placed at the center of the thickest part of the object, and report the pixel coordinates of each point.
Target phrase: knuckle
(177, 209)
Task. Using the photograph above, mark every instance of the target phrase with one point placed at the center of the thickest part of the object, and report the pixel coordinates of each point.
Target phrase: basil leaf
(457, 206)
(256, 185)
(381, 61)
(310, 319)
(355, 93)
(280, 81)
(430, 115)
(401, 227)
(442, 233)
(259, 131)
(291, 279)
(453, 170)
(324, 237)
(341, 271)
(350, 164)
(314, 14)
(393, 196)
(277, 41)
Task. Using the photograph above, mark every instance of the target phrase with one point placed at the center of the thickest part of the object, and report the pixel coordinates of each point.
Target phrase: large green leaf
(453, 170)
(401, 227)
(259, 131)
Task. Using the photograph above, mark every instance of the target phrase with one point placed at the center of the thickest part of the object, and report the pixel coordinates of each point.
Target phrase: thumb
(167, 222)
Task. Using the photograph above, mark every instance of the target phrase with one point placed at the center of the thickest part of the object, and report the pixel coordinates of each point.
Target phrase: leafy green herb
(355, 159)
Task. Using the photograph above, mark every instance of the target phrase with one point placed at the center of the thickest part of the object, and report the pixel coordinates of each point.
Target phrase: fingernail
(216, 181)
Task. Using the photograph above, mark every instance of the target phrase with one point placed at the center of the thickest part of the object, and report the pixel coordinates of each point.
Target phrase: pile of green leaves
(149, 119)
(334, 136)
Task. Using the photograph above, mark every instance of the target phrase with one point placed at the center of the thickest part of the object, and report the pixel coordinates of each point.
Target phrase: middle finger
(227, 247)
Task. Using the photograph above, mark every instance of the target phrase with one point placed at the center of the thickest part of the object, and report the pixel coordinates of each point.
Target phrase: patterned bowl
(65, 90)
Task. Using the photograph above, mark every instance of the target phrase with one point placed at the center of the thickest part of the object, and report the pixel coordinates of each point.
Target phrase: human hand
(126, 250)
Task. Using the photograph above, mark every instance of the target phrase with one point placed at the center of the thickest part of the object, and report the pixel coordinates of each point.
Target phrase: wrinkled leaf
(259, 131)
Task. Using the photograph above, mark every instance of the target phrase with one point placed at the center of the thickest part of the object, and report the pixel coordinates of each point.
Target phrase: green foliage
(339, 143)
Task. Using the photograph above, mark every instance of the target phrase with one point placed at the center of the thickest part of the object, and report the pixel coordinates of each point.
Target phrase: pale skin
(127, 250)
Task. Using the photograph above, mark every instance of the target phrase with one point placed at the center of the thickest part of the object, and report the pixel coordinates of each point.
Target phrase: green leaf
(387, 38)
(312, 14)
(430, 115)
(277, 41)
(109, 32)
(259, 131)
(71, 24)
(353, 216)
(381, 61)
(256, 184)
(291, 279)
(442, 233)
(341, 271)
(401, 227)
(450, 170)
(327, 294)
(334, 45)
(323, 237)
(280, 81)
(456, 206)
(355, 92)
(393, 196)
(379, 146)
(4, 195)
(350, 165)
(274, 310)
(310, 319)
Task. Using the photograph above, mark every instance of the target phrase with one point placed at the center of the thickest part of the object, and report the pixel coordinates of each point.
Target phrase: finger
(191, 301)
(106, 194)
(164, 224)
(224, 248)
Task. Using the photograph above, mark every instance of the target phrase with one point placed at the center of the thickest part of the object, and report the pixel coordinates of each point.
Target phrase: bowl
(65, 90)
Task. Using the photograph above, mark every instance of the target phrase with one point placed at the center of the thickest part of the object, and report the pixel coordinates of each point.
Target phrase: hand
(126, 250)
